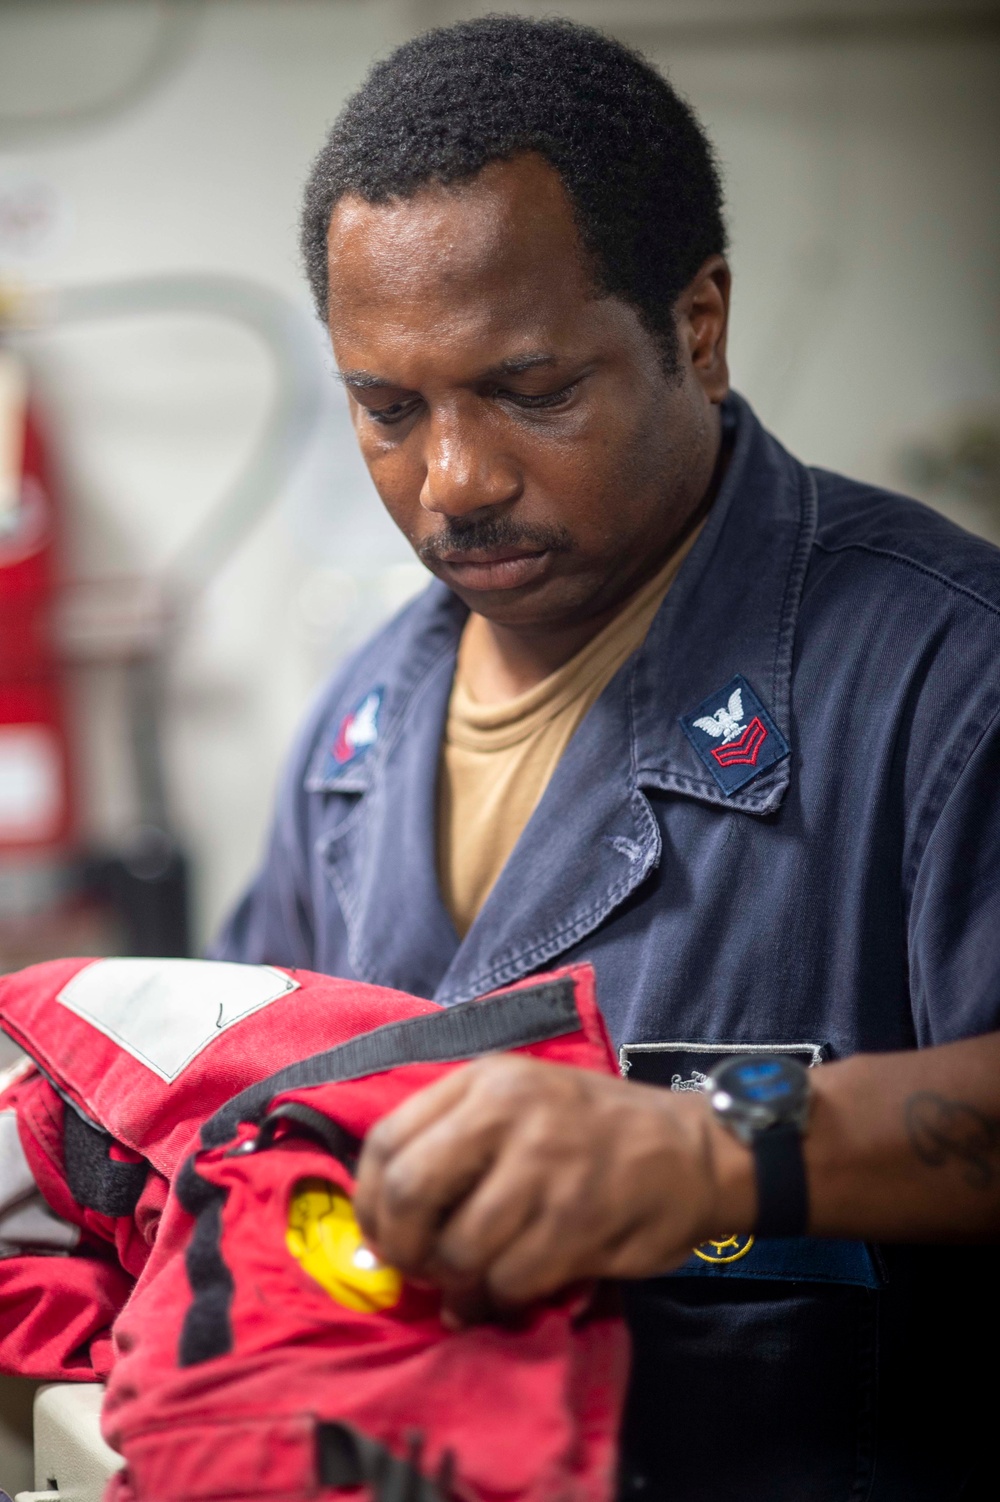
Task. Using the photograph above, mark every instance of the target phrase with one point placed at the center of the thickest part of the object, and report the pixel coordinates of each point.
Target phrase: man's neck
(499, 663)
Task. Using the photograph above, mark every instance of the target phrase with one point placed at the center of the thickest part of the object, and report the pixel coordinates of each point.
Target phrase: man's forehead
(470, 340)
(508, 228)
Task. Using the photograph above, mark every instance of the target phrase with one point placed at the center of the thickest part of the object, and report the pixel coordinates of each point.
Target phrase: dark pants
(797, 1392)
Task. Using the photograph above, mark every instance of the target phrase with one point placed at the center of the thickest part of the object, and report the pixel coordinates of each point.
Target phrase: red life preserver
(149, 1048)
(143, 1051)
(263, 1352)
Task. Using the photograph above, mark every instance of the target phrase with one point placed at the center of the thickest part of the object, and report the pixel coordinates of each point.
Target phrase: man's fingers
(413, 1115)
(554, 1250)
(410, 1193)
(536, 1264)
(497, 1211)
(388, 1136)
(642, 1249)
(559, 1247)
(426, 1156)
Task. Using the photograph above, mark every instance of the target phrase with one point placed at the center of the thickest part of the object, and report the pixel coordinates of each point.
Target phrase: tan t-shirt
(497, 759)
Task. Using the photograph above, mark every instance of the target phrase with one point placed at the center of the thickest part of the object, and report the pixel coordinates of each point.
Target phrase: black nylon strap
(95, 1179)
(782, 1190)
(347, 1458)
(460, 1032)
(339, 1143)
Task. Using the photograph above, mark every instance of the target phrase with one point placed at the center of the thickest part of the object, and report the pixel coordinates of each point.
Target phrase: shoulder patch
(734, 735)
(357, 733)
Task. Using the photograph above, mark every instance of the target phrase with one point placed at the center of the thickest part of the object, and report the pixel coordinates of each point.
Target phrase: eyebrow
(367, 380)
(364, 380)
(520, 363)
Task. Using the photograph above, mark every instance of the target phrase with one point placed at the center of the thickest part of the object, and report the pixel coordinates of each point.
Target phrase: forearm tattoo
(948, 1131)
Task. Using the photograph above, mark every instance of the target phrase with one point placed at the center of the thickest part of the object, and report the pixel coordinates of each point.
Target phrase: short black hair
(638, 168)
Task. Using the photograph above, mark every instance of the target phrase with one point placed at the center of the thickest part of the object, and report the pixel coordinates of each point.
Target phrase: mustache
(492, 533)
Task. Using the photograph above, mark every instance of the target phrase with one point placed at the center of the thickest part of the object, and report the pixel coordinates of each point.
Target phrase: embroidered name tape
(734, 735)
(686, 1066)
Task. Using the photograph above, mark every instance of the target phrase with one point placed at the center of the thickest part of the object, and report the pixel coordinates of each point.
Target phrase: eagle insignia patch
(359, 729)
(734, 735)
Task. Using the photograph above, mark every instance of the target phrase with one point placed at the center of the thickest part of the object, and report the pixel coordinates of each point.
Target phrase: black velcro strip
(95, 1179)
(463, 1031)
(207, 1330)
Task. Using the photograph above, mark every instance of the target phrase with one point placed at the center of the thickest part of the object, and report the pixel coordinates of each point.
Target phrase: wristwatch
(763, 1100)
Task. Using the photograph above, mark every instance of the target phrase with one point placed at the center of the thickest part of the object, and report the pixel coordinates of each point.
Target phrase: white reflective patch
(33, 1227)
(164, 1012)
(13, 1063)
(16, 1179)
(26, 1222)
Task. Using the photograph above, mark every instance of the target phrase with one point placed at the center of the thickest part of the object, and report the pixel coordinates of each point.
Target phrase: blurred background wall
(143, 138)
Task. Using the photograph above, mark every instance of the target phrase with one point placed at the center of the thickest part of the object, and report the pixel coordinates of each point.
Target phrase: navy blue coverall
(813, 864)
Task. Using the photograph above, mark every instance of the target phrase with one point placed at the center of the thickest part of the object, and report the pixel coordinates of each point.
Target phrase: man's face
(518, 427)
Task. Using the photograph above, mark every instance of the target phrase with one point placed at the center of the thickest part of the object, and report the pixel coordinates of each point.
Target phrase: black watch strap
(782, 1191)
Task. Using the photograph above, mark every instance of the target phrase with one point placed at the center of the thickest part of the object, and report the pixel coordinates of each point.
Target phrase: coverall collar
(731, 610)
(593, 839)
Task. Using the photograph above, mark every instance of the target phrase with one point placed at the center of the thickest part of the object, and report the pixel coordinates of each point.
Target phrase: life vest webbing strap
(337, 1141)
(347, 1458)
(510, 1020)
(259, 1458)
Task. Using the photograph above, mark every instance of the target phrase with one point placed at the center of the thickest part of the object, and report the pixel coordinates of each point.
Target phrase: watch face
(773, 1084)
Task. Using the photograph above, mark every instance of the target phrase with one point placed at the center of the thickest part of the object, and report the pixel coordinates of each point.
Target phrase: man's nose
(466, 469)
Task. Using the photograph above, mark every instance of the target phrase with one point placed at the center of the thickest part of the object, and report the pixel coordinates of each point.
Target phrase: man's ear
(702, 312)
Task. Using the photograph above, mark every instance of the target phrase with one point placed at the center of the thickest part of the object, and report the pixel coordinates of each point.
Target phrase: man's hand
(511, 1178)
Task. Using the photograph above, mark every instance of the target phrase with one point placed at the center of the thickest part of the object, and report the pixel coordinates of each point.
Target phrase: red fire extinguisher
(36, 809)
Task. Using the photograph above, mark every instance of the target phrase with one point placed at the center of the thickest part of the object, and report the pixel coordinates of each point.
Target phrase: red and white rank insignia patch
(359, 729)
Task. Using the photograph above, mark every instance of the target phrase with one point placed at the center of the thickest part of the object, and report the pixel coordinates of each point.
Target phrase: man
(720, 725)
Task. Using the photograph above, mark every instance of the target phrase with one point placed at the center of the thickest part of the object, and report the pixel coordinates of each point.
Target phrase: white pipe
(288, 334)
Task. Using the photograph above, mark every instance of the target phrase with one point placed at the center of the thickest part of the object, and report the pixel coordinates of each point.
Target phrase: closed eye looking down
(397, 412)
